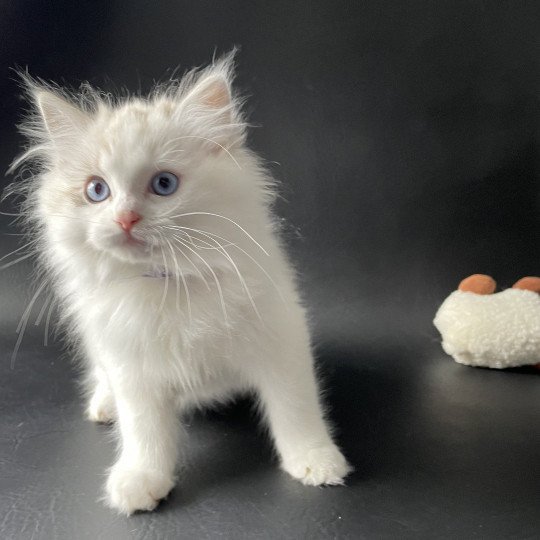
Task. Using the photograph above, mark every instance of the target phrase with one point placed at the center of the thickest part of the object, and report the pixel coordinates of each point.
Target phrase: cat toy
(480, 327)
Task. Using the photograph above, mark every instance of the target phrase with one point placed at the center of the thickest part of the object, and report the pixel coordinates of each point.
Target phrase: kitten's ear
(211, 105)
(212, 91)
(62, 119)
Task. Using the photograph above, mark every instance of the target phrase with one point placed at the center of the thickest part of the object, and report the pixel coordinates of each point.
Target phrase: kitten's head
(120, 176)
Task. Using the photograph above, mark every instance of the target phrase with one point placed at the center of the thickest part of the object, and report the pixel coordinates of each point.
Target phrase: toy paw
(496, 330)
(528, 284)
(479, 284)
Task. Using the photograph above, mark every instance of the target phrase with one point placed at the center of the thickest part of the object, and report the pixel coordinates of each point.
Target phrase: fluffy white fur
(204, 306)
(495, 330)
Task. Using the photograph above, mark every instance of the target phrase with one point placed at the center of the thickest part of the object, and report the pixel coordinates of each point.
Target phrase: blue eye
(97, 190)
(164, 183)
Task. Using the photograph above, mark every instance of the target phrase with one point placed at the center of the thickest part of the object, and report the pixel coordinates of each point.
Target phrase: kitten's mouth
(129, 244)
(130, 240)
(128, 248)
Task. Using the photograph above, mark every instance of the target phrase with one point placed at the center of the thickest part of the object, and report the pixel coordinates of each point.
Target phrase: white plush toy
(501, 330)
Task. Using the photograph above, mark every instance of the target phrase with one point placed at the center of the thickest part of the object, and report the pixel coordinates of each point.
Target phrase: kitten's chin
(131, 254)
(127, 249)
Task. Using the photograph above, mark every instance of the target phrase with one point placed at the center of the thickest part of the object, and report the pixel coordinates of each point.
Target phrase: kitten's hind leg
(101, 407)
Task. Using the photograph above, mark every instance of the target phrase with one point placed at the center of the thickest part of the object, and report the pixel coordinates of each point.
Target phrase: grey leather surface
(406, 136)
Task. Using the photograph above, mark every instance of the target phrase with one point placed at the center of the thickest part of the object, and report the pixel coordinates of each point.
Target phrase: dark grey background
(405, 137)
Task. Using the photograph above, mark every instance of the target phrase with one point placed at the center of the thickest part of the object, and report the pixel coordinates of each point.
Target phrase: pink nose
(126, 220)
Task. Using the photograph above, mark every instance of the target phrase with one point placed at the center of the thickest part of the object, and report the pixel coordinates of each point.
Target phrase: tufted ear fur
(56, 123)
(62, 119)
(205, 101)
(212, 92)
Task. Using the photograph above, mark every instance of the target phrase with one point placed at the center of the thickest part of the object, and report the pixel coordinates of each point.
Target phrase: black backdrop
(405, 138)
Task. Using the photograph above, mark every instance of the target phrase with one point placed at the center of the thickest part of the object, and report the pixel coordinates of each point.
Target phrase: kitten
(154, 226)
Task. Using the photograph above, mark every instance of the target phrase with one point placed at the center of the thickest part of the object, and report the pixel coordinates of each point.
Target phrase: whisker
(201, 275)
(177, 276)
(222, 250)
(183, 229)
(184, 282)
(47, 324)
(222, 217)
(65, 216)
(218, 284)
(18, 249)
(165, 290)
(209, 140)
(263, 270)
(21, 328)
(198, 246)
(42, 311)
(16, 261)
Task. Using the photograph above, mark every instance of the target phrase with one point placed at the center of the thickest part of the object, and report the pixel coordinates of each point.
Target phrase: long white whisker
(177, 279)
(201, 275)
(166, 289)
(218, 285)
(162, 238)
(16, 261)
(209, 140)
(17, 250)
(244, 252)
(42, 311)
(47, 324)
(184, 282)
(167, 152)
(66, 216)
(222, 217)
(222, 250)
(184, 229)
(24, 321)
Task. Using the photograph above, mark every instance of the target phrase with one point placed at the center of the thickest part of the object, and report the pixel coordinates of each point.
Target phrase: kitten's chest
(152, 331)
(178, 316)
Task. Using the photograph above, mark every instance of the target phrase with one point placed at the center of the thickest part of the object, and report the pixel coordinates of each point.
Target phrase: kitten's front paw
(101, 408)
(318, 466)
(129, 490)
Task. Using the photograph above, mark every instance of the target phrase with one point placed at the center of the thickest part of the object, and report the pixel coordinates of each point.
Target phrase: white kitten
(155, 230)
